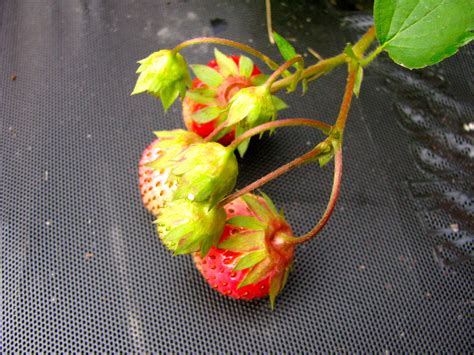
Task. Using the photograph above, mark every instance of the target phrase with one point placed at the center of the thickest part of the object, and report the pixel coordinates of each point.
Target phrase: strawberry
(254, 254)
(163, 74)
(156, 187)
(214, 88)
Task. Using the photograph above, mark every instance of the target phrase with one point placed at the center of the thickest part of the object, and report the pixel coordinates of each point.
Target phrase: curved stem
(229, 43)
(215, 132)
(324, 127)
(346, 101)
(367, 60)
(322, 67)
(268, 7)
(336, 188)
(327, 65)
(274, 174)
(271, 79)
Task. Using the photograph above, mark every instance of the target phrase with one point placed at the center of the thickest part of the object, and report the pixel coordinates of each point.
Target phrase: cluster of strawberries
(244, 249)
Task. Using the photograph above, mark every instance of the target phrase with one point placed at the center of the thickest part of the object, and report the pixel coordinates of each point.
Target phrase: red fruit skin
(190, 107)
(155, 189)
(217, 267)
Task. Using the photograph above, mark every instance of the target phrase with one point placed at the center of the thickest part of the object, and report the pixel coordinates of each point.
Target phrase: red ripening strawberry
(156, 187)
(212, 89)
(254, 254)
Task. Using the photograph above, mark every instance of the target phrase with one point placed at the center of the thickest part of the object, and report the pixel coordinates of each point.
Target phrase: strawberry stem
(346, 101)
(336, 188)
(323, 127)
(320, 148)
(226, 42)
(215, 132)
(272, 78)
(325, 66)
(268, 7)
(336, 185)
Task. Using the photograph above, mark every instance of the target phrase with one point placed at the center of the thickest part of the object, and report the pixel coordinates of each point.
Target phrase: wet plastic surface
(81, 266)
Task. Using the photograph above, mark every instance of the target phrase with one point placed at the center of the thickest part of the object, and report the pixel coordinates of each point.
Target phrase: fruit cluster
(244, 247)
(240, 243)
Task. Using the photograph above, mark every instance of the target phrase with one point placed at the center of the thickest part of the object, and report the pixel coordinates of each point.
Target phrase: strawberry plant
(240, 243)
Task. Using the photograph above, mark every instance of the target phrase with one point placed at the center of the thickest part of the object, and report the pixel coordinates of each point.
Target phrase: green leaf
(350, 52)
(259, 79)
(275, 287)
(305, 86)
(286, 49)
(418, 33)
(325, 158)
(172, 238)
(207, 243)
(207, 114)
(358, 80)
(269, 202)
(242, 148)
(282, 213)
(202, 96)
(285, 277)
(258, 273)
(207, 75)
(246, 222)
(278, 103)
(295, 80)
(239, 109)
(256, 207)
(251, 259)
(245, 66)
(227, 66)
(168, 95)
(244, 242)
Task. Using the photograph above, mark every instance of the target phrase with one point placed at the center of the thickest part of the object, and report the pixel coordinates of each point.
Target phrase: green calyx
(329, 147)
(264, 242)
(171, 144)
(163, 74)
(205, 172)
(186, 227)
(251, 107)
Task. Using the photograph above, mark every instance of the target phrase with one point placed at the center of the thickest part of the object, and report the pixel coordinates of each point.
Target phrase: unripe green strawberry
(156, 186)
(254, 254)
(163, 74)
(185, 226)
(204, 172)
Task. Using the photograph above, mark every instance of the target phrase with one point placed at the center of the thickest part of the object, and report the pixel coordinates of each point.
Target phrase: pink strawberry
(254, 254)
(156, 187)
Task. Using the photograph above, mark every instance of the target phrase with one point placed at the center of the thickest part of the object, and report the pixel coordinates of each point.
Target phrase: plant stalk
(336, 188)
(346, 101)
(327, 65)
(274, 174)
(323, 127)
(226, 42)
(271, 79)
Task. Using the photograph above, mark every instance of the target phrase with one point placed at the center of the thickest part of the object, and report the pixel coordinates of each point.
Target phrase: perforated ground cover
(82, 268)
